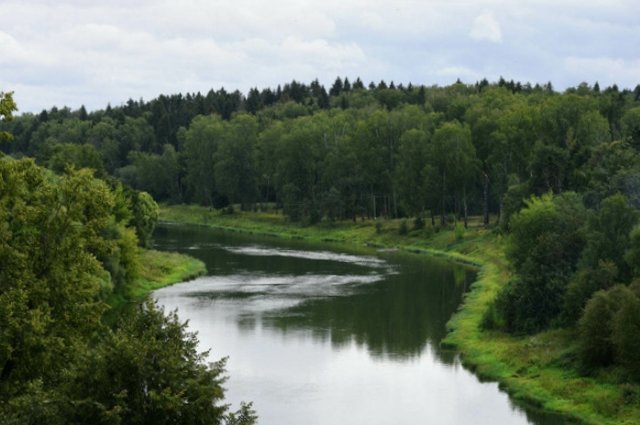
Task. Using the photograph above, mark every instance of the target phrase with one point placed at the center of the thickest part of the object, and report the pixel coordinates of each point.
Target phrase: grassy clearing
(539, 370)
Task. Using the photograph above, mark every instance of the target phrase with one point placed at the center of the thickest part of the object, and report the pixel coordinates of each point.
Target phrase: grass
(158, 269)
(539, 370)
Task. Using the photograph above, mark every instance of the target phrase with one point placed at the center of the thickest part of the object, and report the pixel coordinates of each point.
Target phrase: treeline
(560, 171)
(354, 150)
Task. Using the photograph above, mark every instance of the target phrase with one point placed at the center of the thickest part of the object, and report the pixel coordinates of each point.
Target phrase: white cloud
(606, 71)
(92, 52)
(486, 28)
(461, 72)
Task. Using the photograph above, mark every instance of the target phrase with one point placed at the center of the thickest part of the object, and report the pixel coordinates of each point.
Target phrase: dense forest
(70, 243)
(559, 173)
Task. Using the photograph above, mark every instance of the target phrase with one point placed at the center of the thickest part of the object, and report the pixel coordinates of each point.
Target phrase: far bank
(536, 369)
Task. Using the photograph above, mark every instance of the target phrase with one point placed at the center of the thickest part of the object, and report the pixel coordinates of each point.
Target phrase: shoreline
(535, 370)
(157, 270)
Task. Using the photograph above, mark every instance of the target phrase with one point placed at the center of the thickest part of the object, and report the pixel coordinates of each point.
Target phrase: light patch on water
(238, 295)
(262, 251)
(308, 285)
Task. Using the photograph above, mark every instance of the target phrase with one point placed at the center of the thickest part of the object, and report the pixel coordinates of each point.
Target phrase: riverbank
(539, 370)
(158, 269)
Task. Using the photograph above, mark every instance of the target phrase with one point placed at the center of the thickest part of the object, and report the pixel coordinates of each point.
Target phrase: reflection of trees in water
(396, 318)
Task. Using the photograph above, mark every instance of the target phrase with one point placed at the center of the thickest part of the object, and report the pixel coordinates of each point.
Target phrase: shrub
(626, 332)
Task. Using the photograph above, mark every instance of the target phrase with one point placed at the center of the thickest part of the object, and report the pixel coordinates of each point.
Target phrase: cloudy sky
(73, 52)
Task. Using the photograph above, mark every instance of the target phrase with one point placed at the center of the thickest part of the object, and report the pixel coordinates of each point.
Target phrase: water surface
(319, 336)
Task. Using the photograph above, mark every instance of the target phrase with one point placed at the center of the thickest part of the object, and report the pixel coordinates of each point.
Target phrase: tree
(608, 232)
(199, 144)
(626, 328)
(544, 246)
(50, 277)
(79, 156)
(149, 372)
(409, 173)
(630, 123)
(454, 156)
(145, 216)
(59, 362)
(234, 168)
(7, 106)
(596, 326)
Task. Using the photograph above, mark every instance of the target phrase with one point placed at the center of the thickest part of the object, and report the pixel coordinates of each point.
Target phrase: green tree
(145, 216)
(596, 326)
(454, 156)
(409, 173)
(630, 123)
(149, 372)
(7, 107)
(50, 277)
(626, 328)
(234, 169)
(105, 136)
(199, 144)
(79, 156)
(544, 246)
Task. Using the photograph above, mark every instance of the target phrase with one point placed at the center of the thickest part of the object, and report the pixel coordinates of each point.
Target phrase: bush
(626, 334)
(595, 328)
(609, 328)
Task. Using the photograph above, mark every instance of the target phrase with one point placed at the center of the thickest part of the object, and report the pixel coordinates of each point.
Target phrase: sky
(73, 53)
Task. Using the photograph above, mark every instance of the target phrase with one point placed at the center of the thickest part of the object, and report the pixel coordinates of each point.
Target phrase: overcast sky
(72, 52)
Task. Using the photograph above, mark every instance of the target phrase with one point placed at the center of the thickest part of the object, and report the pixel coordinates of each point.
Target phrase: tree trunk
(393, 200)
(464, 207)
(485, 205)
(373, 197)
(444, 192)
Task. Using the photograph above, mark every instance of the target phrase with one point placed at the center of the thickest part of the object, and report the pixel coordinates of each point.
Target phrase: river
(323, 334)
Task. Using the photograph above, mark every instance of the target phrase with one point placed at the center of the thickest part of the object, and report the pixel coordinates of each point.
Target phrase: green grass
(158, 269)
(540, 370)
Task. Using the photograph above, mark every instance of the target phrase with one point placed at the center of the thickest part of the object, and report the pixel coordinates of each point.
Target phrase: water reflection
(315, 336)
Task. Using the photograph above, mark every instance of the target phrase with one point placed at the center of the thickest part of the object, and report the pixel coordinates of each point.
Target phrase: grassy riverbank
(158, 269)
(539, 369)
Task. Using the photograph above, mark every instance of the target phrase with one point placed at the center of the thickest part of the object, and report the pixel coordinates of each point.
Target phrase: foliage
(145, 217)
(66, 247)
(545, 243)
(148, 371)
(596, 326)
(7, 107)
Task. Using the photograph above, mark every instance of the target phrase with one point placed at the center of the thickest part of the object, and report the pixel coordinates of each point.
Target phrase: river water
(319, 334)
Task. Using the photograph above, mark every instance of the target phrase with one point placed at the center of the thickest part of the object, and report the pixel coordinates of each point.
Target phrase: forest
(556, 173)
